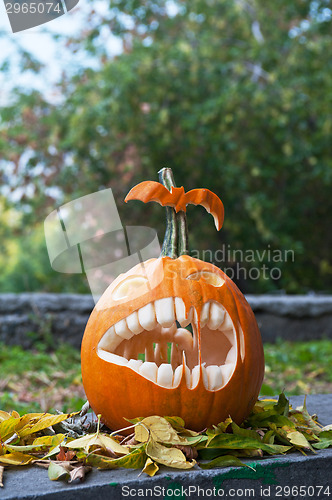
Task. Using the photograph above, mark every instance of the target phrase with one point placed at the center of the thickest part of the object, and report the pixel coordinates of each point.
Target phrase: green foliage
(235, 97)
(40, 380)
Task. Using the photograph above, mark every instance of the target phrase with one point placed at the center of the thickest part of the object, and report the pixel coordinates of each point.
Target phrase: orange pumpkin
(203, 355)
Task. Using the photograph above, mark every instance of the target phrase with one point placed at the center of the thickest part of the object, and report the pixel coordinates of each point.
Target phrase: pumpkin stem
(170, 240)
(176, 235)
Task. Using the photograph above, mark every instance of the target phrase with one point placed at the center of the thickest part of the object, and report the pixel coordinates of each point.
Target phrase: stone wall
(54, 318)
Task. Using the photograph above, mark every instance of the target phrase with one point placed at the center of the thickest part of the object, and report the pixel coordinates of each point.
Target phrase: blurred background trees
(235, 96)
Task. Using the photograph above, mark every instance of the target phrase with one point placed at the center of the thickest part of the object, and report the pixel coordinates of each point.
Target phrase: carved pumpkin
(202, 350)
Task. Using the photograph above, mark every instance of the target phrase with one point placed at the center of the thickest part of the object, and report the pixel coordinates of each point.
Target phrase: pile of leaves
(70, 445)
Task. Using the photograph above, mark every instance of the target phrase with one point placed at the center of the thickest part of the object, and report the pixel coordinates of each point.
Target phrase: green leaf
(224, 461)
(233, 442)
(325, 440)
(57, 471)
(134, 460)
(245, 432)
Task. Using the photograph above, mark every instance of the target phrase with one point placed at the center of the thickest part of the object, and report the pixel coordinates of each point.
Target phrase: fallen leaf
(4, 415)
(65, 454)
(150, 468)
(79, 473)
(101, 440)
(172, 457)
(134, 460)
(298, 439)
(224, 461)
(57, 471)
(235, 442)
(325, 438)
(44, 421)
(16, 458)
(160, 430)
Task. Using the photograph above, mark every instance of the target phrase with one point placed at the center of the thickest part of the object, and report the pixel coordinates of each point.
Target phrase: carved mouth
(159, 341)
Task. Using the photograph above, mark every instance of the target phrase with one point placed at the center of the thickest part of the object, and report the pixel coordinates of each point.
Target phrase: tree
(235, 96)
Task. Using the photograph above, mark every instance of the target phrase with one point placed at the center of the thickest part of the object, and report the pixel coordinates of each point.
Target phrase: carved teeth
(149, 370)
(121, 329)
(195, 375)
(163, 316)
(214, 375)
(178, 375)
(112, 358)
(184, 339)
(147, 317)
(165, 311)
(217, 314)
(205, 314)
(226, 371)
(180, 311)
(110, 340)
(135, 364)
(231, 356)
(165, 375)
(133, 323)
(227, 324)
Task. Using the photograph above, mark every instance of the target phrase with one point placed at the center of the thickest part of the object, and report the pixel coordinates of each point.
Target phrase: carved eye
(131, 287)
(209, 278)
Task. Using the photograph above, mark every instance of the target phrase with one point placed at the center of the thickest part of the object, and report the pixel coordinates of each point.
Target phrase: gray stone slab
(27, 317)
(296, 306)
(272, 478)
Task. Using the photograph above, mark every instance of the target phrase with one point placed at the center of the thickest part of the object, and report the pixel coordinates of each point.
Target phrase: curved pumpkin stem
(176, 236)
(169, 247)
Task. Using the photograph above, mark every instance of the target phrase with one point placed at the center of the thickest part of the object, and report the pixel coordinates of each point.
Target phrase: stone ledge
(295, 306)
(27, 317)
(271, 473)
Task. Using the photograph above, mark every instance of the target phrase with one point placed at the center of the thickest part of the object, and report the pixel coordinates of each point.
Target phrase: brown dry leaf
(188, 451)
(65, 454)
(1, 475)
(150, 468)
(79, 473)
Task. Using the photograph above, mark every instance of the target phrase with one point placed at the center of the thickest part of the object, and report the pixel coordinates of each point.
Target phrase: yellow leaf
(172, 457)
(158, 429)
(150, 467)
(42, 422)
(298, 439)
(16, 458)
(4, 415)
(7, 428)
(49, 441)
(102, 440)
(41, 442)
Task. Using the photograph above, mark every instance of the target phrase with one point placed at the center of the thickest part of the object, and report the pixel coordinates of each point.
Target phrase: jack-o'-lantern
(174, 335)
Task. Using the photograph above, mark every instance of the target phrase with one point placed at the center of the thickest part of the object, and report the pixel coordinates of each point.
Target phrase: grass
(34, 381)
